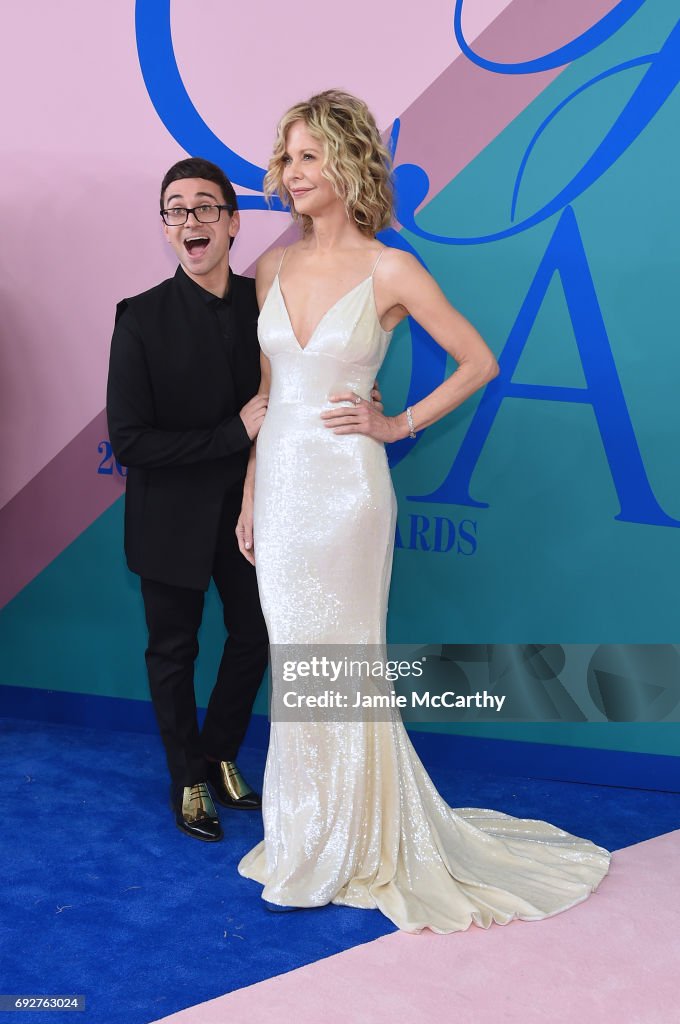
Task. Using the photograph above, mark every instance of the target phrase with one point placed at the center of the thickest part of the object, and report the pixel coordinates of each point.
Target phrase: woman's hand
(244, 528)
(253, 413)
(364, 417)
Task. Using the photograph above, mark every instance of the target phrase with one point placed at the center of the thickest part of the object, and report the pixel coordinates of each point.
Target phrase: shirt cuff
(234, 436)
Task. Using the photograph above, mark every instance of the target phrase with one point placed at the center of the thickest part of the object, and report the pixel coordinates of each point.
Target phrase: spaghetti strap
(378, 260)
(283, 256)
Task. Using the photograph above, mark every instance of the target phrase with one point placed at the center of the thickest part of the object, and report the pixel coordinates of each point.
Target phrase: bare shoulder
(268, 263)
(395, 264)
(265, 271)
(399, 272)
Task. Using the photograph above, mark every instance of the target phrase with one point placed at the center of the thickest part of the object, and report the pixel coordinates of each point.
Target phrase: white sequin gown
(350, 814)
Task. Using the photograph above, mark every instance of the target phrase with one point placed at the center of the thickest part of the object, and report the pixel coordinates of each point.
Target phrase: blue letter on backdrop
(566, 256)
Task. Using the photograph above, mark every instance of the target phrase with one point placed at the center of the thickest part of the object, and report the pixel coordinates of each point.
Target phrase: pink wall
(84, 152)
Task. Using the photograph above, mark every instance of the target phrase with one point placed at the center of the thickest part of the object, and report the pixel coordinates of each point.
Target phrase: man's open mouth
(196, 245)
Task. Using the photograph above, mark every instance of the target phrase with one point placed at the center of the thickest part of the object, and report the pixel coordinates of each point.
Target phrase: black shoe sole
(195, 835)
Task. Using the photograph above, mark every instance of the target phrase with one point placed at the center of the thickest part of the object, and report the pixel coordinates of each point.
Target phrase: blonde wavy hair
(355, 160)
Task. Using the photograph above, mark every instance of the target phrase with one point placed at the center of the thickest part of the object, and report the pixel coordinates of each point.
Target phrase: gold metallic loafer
(229, 787)
(195, 813)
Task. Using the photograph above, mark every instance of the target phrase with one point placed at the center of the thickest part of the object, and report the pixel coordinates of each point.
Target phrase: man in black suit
(183, 413)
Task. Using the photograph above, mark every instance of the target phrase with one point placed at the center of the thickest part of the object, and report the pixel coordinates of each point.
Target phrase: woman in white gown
(350, 815)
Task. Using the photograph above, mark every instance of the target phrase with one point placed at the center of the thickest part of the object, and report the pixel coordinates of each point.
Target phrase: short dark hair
(197, 167)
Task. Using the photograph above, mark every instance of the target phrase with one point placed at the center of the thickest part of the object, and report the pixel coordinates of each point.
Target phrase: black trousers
(173, 617)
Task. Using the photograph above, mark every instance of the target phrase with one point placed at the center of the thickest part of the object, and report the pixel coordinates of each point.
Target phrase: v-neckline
(303, 348)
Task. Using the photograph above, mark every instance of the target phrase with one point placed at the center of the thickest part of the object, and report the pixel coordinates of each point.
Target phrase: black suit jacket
(175, 387)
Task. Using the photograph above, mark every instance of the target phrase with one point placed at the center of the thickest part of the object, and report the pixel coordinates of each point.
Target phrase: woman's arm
(244, 527)
(244, 524)
(404, 288)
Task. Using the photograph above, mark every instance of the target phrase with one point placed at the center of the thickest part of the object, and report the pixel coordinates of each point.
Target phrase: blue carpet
(105, 897)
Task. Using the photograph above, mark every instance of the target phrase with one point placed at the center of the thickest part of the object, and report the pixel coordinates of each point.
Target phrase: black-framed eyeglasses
(207, 213)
